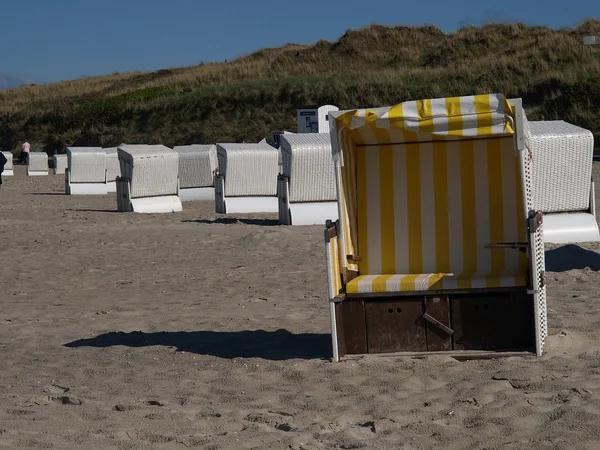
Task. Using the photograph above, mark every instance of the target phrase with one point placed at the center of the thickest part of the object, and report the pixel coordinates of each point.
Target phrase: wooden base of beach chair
(496, 322)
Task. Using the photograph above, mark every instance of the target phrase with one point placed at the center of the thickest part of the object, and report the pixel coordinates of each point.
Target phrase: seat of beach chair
(366, 284)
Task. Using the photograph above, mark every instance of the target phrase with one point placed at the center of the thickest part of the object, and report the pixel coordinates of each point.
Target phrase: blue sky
(50, 40)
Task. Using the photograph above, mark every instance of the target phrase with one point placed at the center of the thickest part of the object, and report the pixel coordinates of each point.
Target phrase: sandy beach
(192, 330)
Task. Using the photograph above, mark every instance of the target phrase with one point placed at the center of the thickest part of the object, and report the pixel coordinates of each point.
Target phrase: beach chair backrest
(561, 166)
(249, 169)
(86, 164)
(196, 165)
(431, 207)
(306, 161)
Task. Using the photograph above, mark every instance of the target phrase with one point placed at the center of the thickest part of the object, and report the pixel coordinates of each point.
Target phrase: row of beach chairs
(298, 180)
(436, 212)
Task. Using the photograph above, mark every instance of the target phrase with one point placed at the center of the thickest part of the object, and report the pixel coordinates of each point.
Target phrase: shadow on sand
(274, 345)
(569, 257)
(233, 221)
(94, 210)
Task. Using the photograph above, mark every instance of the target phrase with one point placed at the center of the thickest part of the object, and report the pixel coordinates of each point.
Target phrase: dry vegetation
(249, 97)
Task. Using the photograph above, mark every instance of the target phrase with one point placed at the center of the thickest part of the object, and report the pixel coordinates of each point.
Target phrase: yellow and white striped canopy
(425, 120)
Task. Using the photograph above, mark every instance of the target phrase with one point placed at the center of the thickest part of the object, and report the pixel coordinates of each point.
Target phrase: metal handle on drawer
(438, 324)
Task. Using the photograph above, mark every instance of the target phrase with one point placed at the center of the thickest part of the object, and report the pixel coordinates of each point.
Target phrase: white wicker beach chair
(196, 166)
(8, 167)
(149, 179)
(38, 164)
(562, 185)
(113, 169)
(306, 190)
(246, 178)
(60, 164)
(438, 247)
(86, 171)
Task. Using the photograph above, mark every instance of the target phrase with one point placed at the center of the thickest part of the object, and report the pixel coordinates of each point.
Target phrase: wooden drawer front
(395, 326)
(438, 338)
(499, 322)
(350, 326)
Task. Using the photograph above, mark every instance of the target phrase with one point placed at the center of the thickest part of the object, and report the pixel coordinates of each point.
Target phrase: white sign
(589, 40)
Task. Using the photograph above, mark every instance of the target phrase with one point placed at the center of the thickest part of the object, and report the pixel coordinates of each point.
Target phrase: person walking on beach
(3, 162)
(25, 153)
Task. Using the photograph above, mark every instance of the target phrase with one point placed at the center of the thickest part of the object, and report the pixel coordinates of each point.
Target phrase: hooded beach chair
(437, 247)
(196, 166)
(60, 164)
(113, 168)
(8, 167)
(149, 182)
(562, 185)
(38, 164)
(86, 171)
(246, 178)
(306, 188)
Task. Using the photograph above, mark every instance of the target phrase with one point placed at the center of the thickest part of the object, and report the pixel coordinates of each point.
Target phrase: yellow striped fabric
(348, 202)
(430, 119)
(429, 209)
(456, 118)
(366, 284)
(333, 261)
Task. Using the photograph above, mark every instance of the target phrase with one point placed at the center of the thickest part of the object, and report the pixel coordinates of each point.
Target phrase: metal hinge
(438, 324)
(542, 279)
(536, 218)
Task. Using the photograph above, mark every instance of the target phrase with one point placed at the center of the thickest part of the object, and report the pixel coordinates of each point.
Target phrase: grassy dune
(247, 98)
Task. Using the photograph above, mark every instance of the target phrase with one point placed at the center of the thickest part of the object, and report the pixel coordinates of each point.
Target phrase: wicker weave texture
(151, 169)
(537, 260)
(308, 163)
(248, 169)
(38, 161)
(561, 166)
(9, 160)
(60, 164)
(86, 164)
(113, 169)
(196, 165)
